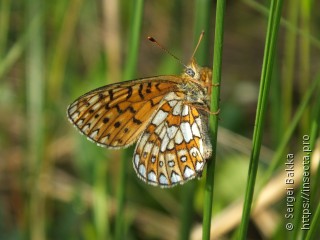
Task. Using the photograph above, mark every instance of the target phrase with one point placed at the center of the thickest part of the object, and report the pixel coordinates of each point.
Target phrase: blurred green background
(57, 185)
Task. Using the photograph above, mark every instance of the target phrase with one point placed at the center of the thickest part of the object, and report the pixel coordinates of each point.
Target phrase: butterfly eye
(190, 72)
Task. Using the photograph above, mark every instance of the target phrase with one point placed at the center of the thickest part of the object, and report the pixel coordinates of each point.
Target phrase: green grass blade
(61, 51)
(315, 131)
(7, 61)
(269, 54)
(276, 160)
(5, 6)
(188, 192)
(134, 41)
(202, 23)
(285, 23)
(101, 200)
(301, 201)
(35, 117)
(314, 227)
(288, 66)
(129, 72)
(216, 79)
(304, 59)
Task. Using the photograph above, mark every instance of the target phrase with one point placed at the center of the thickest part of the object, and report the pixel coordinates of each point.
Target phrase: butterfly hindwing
(174, 146)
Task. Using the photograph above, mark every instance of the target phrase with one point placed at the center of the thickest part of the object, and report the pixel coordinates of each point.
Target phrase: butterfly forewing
(115, 115)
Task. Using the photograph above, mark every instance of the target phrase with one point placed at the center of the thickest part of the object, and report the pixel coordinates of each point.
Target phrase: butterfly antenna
(151, 39)
(200, 38)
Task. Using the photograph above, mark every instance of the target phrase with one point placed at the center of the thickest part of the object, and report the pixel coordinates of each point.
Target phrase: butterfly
(166, 115)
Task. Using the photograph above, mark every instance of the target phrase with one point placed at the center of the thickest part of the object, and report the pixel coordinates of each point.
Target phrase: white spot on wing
(188, 172)
(163, 180)
(86, 128)
(171, 131)
(186, 131)
(72, 109)
(148, 147)
(74, 116)
(195, 130)
(142, 170)
(164, 143)
(162, 133)
(94, 133)
(198, 121)
(159, 128)
(136, 160)
(179, 138)
(153, 159)
(183, 158)
(171, 163)
(144, 139)
(177, 109)
(185, 110)
(194, 152)
(172, 103)
(170, 145)
(199, 166)
(80, 122)
(152, 176)
(159, 117)
(175, 177)
(93, 99)
(104, 139)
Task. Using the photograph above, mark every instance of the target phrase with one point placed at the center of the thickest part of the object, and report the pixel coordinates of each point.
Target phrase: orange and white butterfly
(166, 115)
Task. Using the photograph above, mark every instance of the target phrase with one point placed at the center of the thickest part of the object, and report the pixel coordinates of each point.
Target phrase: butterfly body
(166, 115)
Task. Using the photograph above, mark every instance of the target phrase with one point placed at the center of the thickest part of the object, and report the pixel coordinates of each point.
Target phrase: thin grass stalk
(288, 66)
(17, 49)
(202, 23)
(62, 49)
(315, 131)
(129, 73)
(278, 156)
(314, 227)
(304, 57)
(188, 192)
(299, 208)
(35, 106)
(267, 67)
(101, 203)
(288, 25)
(215, 97)
(275, 107)
(4, 25)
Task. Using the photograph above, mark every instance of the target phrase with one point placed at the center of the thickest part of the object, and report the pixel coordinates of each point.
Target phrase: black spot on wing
(110, 94)
(140, 91)
(131, 109)
(105, 120)
(117, 124)
(118, 109)
(129, 93)
(137, 121)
